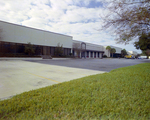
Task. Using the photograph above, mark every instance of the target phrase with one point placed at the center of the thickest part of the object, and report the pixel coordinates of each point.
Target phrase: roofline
(114, 46)
(87, 42)
(34, 28)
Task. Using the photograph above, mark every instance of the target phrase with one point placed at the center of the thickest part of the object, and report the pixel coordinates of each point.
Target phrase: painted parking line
(43, 77)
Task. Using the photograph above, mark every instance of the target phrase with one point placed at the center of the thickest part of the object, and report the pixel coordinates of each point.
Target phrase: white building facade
(132, 53)
(15, 37)
(116, 54)
(87, 50)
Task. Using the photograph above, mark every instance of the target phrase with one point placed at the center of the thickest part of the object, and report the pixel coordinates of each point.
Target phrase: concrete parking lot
(17, 76)
(20, 75)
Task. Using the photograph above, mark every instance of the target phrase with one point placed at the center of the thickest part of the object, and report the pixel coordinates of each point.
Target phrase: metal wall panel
(90, 46)
(22, 34)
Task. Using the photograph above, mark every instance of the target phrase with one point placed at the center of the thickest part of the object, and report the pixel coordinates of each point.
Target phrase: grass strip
(123, 93)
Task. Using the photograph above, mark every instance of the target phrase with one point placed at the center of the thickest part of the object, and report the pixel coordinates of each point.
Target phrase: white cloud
(60, 16)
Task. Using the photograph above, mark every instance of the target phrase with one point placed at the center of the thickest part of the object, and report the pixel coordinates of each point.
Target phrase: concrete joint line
(43, 77)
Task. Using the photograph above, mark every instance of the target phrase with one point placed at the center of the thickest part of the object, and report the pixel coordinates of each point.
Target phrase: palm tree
(108, 48)
(113, 50)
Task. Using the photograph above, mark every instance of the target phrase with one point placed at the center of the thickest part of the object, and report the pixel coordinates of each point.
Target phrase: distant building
(132, 53)
(118, 51)
(87, 50)
(116, 54)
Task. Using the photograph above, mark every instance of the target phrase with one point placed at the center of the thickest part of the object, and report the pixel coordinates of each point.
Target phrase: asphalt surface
(106, 64)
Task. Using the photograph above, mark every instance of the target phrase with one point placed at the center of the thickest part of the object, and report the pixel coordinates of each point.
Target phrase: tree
(108, 48)
(29, 49)
(127, 19)
(146, 52)
(59, 50)
(77, 48)
(123, 52)
(143, 43)
(112, 51)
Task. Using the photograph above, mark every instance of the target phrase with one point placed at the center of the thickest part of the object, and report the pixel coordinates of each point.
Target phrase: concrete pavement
(17, 76)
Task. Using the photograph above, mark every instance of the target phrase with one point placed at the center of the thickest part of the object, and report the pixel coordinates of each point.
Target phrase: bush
(29, 49)
(104, 56)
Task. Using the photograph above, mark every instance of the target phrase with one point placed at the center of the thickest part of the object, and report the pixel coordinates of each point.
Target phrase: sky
(78, 18)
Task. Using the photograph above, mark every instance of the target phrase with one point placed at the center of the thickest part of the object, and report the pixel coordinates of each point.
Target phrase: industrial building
(15, 37)
(132, 53)
(117, 53)
(87, 50)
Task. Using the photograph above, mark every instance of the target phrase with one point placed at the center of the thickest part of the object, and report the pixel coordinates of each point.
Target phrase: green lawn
(123, 93)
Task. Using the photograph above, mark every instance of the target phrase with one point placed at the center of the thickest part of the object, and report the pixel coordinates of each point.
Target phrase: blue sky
(77, 18)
